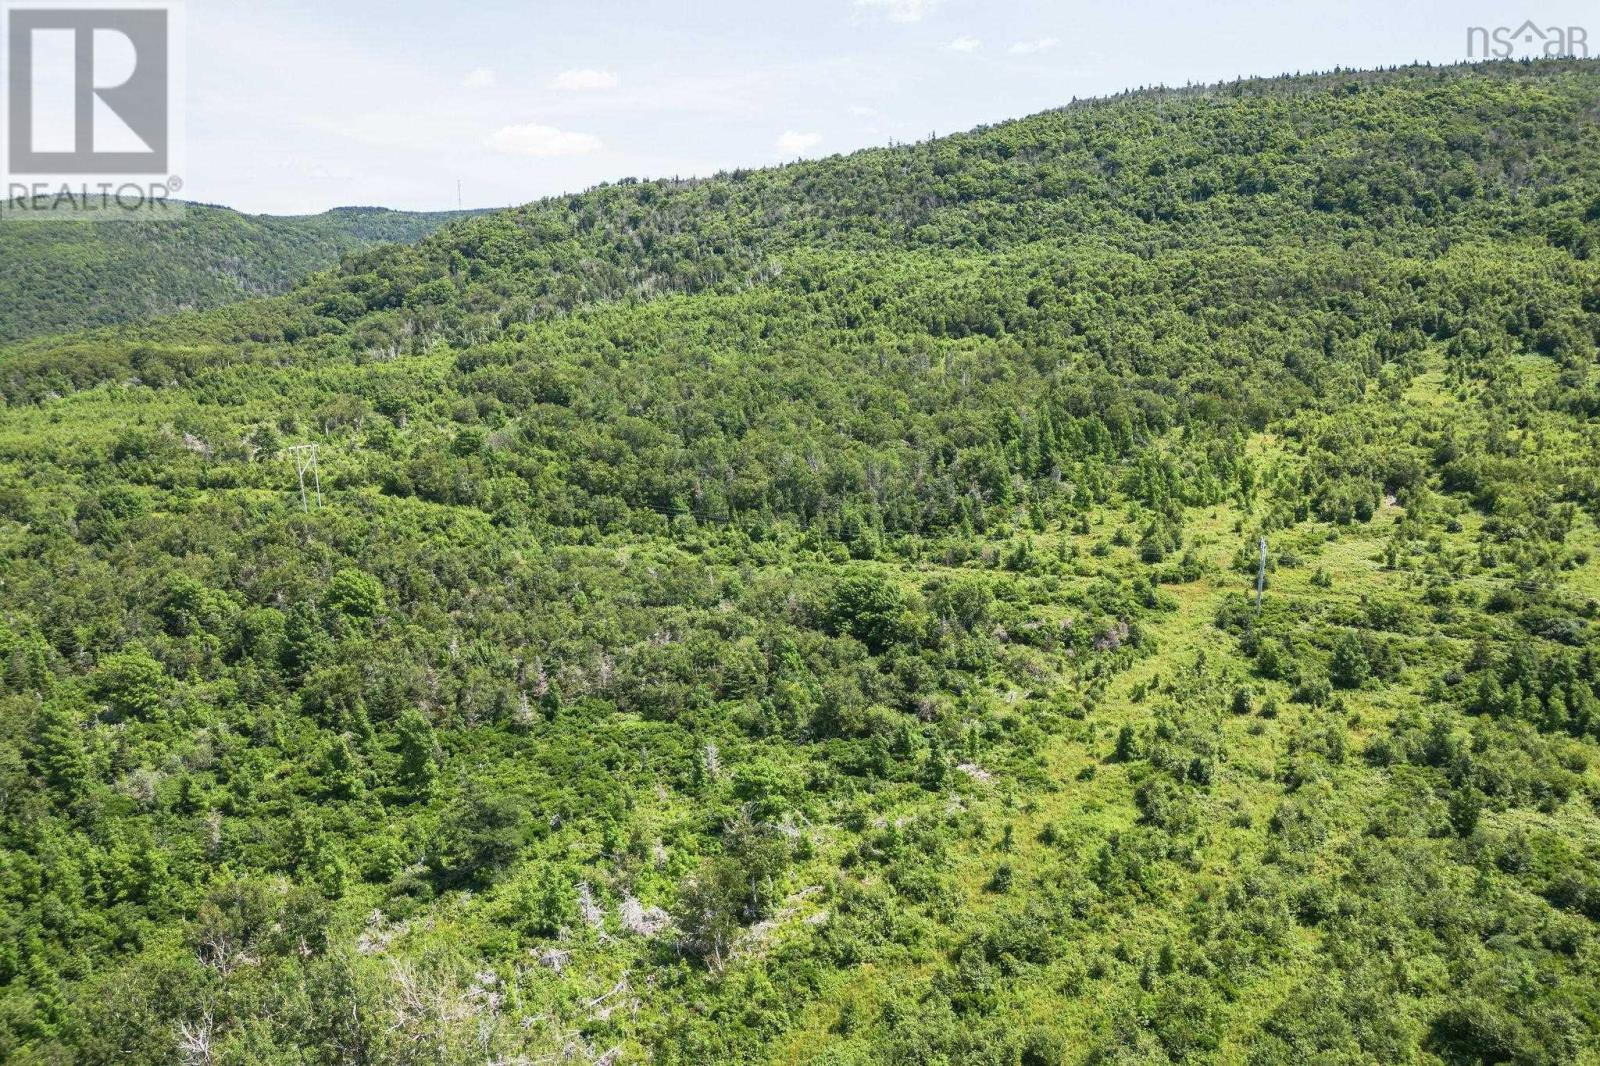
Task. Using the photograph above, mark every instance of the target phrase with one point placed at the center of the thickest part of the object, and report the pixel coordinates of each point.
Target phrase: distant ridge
(66, 276)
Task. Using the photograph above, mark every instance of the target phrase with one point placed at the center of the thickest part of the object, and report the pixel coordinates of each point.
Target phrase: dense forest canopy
(808, 614)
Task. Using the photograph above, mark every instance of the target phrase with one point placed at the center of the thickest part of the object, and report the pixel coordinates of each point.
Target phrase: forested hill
(1399, 158)
(64, 276)
(807, 615)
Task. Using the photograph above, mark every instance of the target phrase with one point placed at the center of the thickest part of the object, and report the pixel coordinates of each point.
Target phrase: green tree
(1350, 665)
(133, 684)
(355, 594)
(57, 751)
(707, 911)
(339, 770)
(419, 752)
(866, 606)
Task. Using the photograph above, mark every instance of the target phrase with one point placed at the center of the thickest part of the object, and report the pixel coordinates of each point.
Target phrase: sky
(296, 107)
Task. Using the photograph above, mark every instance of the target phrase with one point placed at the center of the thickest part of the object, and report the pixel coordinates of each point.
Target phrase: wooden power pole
(1261, 575)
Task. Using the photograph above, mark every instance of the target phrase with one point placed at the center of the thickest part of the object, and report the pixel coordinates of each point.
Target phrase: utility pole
(305, 458)
(1261, 575)
(458, 194)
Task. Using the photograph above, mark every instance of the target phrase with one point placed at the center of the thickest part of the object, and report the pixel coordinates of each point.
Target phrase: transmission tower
(305, 458)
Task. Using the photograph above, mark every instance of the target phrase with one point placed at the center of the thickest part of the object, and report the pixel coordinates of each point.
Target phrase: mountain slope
(64, 276)
(807, 615)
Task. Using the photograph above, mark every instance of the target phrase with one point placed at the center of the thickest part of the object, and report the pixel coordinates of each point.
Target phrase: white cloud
(578, 81)
(964, 44)
(899, 10)
(545, 142)
(303, 167)
(862, 111)
(481, 78)
(791, 142)
(1028, 48)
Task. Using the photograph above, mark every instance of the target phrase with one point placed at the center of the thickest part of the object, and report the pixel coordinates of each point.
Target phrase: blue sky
(300, 106)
